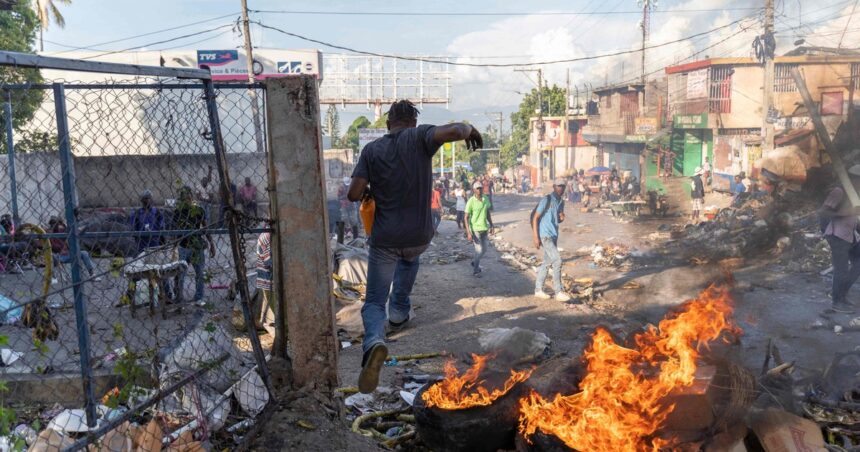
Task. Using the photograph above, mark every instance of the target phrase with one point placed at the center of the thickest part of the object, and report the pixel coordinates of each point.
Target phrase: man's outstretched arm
(356, 189)
(456, 132)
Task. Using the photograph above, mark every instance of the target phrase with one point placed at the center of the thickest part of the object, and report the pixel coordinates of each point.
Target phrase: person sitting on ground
(547, 215)
(190, 218)
(461, 207)
(739, 191)
(147, 218)
(398, 167)
(7, 224)
(479, 223)
(60, 248)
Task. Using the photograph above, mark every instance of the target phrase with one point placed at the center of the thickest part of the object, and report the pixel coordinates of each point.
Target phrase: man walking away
(436, 205)
(839, 225)
(147, 218)
(697, 192)
(547, 215)
(460, 194)
(399, 169)
(191, 219)
(479, 224)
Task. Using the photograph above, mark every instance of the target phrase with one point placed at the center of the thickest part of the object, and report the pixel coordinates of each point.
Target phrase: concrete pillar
(302, 242)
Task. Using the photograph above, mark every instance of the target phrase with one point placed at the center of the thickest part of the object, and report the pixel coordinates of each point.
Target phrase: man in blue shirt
(399, 170)
(147, 218)
(548, 214)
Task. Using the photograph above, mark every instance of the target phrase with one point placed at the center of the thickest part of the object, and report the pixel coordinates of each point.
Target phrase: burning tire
(483, 428)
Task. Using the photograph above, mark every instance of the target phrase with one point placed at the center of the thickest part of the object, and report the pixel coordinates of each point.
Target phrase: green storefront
(691, 139)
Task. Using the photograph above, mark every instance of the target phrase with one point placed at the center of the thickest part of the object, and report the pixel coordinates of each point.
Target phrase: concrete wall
(39, 183)
(115, 181)
(338, 164)
(746, 100)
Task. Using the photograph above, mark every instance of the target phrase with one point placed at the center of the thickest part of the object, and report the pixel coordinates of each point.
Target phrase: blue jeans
(384, 266)
(481, 243)
(550, 258)
(196, 259)
(85, 259)
(436, 215)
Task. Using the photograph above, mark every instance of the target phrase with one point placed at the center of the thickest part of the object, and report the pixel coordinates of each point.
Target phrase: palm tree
(45, 10)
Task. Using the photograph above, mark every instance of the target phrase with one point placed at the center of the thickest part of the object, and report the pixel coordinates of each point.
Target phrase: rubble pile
(581, 290)
(607, 254)
(514, 256)
(216, 406)
(757, 226)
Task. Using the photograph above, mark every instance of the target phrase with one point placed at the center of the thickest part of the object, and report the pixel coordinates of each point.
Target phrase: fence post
(67, 166)
(305, 286)
(236, 240)
(10, 149)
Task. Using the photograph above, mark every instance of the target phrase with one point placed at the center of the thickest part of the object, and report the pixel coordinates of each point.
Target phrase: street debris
(513, 345)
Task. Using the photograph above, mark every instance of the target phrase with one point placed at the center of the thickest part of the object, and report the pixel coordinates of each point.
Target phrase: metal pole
(252, 94)
(233, 226)
(67, 166)
(767, 92)
(10, 149)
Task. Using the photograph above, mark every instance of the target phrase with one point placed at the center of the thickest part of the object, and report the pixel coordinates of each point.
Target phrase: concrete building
(621, 120)
(715, 107)
(556, 150)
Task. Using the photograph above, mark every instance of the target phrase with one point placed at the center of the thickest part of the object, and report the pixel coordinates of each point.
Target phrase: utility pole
(767, 91)
(646, 28)
(252, 93)
(497, 116)
(570, 159)
(539, 122)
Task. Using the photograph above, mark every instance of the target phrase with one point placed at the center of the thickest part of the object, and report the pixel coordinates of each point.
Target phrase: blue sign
(289, 67)
(216, 57)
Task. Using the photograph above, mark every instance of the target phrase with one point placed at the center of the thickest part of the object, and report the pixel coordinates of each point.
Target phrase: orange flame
(620, 404)
(458, 392)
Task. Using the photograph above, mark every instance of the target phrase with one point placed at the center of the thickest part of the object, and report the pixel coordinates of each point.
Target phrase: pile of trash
(757, 226)
(607, 254)
(581, 290)
(226, 387)
(513, 256)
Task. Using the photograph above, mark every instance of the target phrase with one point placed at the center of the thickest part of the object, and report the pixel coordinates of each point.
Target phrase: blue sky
(520, 38)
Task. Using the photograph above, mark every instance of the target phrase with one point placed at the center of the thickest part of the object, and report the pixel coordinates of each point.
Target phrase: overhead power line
(455, 14)
(519, 64)
(164, 30)
(164, 41)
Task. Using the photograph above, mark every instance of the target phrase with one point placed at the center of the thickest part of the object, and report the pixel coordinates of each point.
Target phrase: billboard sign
(697, 84)
(699, 121)
(231, 64)
(367, 135)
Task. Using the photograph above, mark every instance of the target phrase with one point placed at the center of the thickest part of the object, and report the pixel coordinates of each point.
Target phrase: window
(855, 75)
(607, 101)
(831, 103)
(720, 89)
(783, 82)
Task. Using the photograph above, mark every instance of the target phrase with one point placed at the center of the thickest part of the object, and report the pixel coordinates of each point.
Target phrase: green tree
(18, 34)
(332, 125)
(350, 139)
(552, 103)
(45, 11)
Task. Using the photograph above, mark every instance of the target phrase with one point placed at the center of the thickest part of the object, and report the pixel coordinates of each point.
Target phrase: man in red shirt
(436, 205)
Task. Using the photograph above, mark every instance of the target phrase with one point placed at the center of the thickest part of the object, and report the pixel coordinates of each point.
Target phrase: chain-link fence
(127, 317)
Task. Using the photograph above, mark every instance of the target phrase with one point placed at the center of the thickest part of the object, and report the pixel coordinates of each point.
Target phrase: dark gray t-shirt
(399, 168)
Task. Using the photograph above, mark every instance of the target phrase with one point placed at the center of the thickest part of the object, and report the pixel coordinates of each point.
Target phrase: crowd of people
(184, 228)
